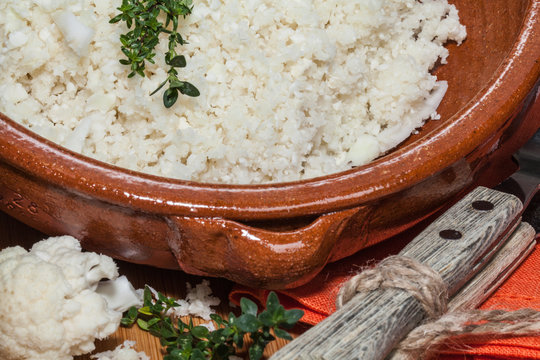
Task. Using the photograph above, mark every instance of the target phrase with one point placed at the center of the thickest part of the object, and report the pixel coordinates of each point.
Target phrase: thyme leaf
(184, 341)
(144, 21)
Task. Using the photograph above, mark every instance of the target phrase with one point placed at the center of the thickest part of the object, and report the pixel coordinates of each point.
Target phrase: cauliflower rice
(289, 89)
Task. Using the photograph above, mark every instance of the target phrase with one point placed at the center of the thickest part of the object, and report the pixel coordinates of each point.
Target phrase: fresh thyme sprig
(188, 342)
(139, 43)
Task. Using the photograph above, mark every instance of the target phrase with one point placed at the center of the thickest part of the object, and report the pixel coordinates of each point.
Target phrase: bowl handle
(255, 256)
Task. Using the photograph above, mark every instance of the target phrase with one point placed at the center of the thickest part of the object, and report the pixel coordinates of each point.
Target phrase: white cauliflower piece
(122, 352)
(50, 310)
(198, 302)
(82, 270)
(77, 35)
(120, 294)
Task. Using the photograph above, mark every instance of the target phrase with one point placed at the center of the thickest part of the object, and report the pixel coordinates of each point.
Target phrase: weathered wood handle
(515, 250)
(456, 245)
(503, 264)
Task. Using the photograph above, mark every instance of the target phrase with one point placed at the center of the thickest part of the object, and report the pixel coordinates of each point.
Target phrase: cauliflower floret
(50, 309)
(82, 270)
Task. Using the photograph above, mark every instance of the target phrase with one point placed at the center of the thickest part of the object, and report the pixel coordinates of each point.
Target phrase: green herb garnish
(188, 342)
(139, 43)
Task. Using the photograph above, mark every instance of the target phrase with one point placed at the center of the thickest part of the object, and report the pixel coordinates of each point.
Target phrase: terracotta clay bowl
(281, 235)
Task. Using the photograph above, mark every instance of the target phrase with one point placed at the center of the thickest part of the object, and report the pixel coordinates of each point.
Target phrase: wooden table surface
(172, 283)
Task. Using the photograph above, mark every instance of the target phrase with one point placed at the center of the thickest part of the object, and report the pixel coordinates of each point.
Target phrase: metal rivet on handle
(450, 234)
(483, 205)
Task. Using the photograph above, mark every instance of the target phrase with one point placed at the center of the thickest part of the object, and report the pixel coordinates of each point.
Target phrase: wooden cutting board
(171, 283)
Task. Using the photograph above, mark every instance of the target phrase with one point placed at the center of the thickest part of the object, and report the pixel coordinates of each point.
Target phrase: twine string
(421, 281)
(457, 330)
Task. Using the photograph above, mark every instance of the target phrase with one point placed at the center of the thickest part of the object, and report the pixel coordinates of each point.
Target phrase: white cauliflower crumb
(124, 351)
(209, 325)
(50, 309)
(77, 35)
(198, 301)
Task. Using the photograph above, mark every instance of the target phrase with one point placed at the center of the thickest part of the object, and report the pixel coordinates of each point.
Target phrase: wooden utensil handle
(515, 250)
(508, 258)
(456, 245)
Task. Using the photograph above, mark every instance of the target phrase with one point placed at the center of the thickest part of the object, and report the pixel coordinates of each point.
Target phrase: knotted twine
(440, 329)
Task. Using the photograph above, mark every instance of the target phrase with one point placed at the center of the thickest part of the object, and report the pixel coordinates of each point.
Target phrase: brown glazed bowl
(281, 235)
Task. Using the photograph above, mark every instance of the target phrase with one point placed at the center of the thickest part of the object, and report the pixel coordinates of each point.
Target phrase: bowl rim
(476, 122)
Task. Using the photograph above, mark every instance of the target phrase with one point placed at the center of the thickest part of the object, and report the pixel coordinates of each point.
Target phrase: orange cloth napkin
(521, 290)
